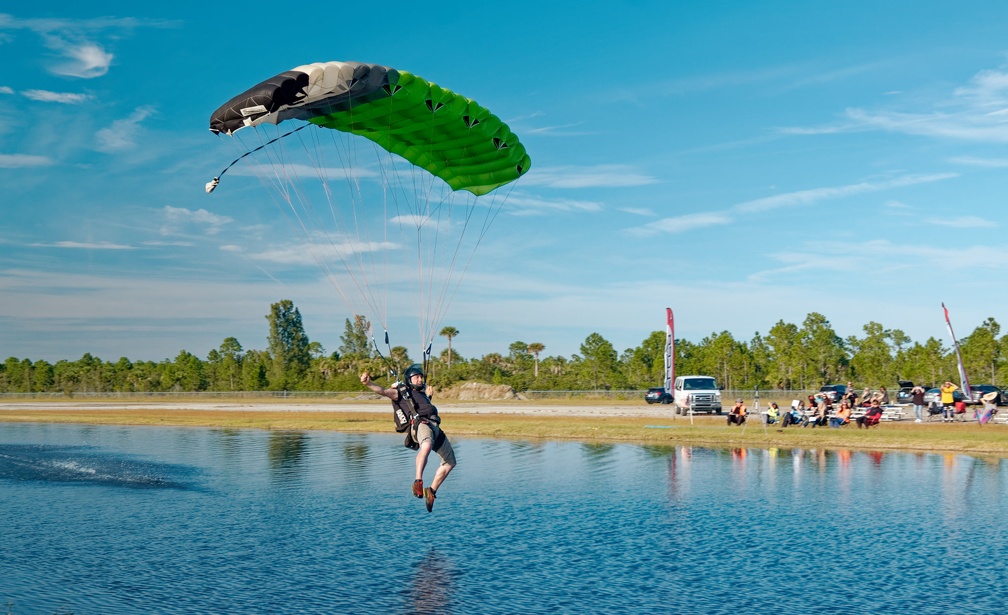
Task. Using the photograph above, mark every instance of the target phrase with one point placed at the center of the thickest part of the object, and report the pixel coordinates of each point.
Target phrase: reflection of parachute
(374, 223)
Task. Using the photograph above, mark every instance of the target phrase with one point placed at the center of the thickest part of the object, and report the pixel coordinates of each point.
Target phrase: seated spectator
(821, 414)
(866, 397)
(883, 395)
(794, 415)
(772, 413)
(989, 408)
(842, 416)
(850, 396)
(871, 417)
(738, 413)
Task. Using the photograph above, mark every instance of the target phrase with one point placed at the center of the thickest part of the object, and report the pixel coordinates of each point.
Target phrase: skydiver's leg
(425, 437)
(447, 454)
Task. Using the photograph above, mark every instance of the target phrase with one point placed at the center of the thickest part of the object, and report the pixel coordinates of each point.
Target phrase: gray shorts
(428, 432)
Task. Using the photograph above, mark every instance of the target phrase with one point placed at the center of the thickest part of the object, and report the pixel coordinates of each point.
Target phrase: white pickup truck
(696, 393)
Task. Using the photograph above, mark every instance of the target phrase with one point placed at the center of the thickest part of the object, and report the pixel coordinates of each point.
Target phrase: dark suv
(834, 391)
(657, 395)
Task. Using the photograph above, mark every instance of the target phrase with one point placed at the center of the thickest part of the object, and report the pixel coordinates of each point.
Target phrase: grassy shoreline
(597, 423)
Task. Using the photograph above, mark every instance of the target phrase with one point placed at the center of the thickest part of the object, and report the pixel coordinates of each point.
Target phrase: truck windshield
(699, 384)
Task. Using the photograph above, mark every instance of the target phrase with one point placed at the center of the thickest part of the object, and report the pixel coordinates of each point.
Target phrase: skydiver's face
(416, 379)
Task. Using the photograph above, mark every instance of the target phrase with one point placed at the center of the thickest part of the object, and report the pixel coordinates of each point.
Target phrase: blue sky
(739, 162)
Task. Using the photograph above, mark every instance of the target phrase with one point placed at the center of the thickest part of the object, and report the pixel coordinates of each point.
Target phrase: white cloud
(682, 224)
(19, 161)
(601, 176)
(990, 163)
(59, 97)
(178, 219)
(84, 60)
(299, 253)
(6, 90)
(524, 205)
(121, 135)
(962, 222)
(976, 111)
(81, 245)
(808, 197)
(74, 40)
(638, 211)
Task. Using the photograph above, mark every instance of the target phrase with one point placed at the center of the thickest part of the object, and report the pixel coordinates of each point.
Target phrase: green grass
(967, 437)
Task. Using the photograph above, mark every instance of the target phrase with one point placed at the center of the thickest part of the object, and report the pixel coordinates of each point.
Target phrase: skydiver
(425, 428)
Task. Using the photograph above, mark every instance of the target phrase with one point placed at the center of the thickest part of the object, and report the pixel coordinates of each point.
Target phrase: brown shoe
(429, 498)
(418, 488)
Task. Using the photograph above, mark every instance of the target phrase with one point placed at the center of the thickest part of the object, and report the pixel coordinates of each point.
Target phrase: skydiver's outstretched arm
(392, 394)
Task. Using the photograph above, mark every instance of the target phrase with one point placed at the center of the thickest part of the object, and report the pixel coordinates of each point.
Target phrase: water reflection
(285, 452)
(433, 584)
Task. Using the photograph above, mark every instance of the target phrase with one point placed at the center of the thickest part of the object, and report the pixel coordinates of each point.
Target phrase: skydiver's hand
(365, 379)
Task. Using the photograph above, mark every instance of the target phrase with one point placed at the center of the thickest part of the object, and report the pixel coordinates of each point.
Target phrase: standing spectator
(948, 401)
(917, 395)
(737, 414)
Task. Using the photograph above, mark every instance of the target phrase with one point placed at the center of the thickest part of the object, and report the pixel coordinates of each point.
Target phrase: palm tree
(449, 332)
(535, 348)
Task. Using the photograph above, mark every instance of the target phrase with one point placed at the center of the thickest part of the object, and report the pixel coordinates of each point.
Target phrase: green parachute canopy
(449, 135)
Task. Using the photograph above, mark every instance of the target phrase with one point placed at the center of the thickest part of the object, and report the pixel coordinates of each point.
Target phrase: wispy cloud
(601, 176)
(178, 220)
(85, 59)
(57, 97)
(19, 161)
(81, 245)
(990, 163)
(6, 90)
(682, 224)
(76, 41)
(812, 196)
(299, 253)
(976, 111)
(638, 211)
(864, 263)
(962, 222)
(523, 205)
(122, 134)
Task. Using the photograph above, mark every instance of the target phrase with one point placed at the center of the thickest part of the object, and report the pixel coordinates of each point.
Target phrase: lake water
(101, 519)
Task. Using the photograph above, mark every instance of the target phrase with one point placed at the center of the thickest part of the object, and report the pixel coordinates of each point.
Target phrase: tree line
(788, 356)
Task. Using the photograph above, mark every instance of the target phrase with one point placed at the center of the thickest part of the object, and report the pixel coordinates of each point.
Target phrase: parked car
(657, 395)
(905, 393)
(979, 390)
(834, 391)
(934, 396)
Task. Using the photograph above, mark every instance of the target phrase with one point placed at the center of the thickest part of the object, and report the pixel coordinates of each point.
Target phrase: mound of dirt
(477, 391)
